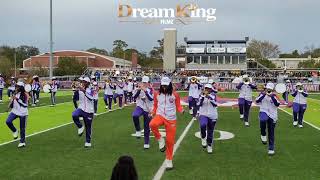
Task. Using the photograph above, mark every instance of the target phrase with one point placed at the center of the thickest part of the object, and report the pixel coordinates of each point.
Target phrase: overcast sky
(81, 24)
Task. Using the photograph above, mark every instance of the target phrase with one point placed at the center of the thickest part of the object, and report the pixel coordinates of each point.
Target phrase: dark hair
(168, 90)
(124, 169)
(22, 91)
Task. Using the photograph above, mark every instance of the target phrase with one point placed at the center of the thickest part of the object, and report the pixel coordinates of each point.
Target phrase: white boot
(246, 124)
(241, 116)
(162, 144)
(271, 152)
(169, 165)
(300, 126)
(138, 134)
(20, 145)
(209, 149)
(80, 131)
(146, 146)
(15, 134)
(264, 139)
(87, 145)
(204, 142)
(295, 123)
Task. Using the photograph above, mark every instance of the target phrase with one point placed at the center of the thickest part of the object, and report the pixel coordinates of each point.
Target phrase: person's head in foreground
(124, 169)
(166, 86)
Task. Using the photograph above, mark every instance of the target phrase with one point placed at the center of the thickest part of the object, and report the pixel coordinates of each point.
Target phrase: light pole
(15, 62)
(51, 43)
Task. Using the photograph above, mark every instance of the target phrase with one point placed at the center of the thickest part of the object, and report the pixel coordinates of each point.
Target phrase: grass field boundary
(310, 124)
(162, 168)
(46, 130)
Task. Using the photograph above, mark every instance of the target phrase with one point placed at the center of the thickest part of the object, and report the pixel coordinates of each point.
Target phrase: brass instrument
(260, 87)
(246, 80)
(193, 79)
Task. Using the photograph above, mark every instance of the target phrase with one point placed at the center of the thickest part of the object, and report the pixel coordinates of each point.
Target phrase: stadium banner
(213, 50)
(236, 50)
(195, 50)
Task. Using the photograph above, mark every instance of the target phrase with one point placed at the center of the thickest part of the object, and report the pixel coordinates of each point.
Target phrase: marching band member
(53, 90)
(119, 92)
(285, 95)
(95, 87)
(214, 88)
(108, 94)
(165, 105)
(12, 87)
(208, 116)
(35, 88)
(268, 115)
(19, 109)
(85, 110)
(144, 99)
(2, 83)
(245, 98)
(125, 92)
(130, 88)
(75, 89)
(194, 93)
(299, 104)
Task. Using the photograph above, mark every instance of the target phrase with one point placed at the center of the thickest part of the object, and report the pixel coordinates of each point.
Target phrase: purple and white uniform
(130, 88)
(144, 101)
(299, 105)
(2, 83)
(119, 91)
(85, 110)
(268, 115)
(11, 88)
(19, 110)
(53, 91)
(95, 88)
(35, 87)
(194, 94)
(208, 116)
(108, 94)
(245, 99)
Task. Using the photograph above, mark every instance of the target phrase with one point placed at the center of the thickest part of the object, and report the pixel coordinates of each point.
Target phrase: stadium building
(92, 60)
(213, 54)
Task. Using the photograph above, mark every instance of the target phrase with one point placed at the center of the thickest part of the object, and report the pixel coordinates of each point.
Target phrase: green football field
(54, 150)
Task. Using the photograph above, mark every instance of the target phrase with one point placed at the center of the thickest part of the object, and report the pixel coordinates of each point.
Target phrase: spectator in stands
(124, 169)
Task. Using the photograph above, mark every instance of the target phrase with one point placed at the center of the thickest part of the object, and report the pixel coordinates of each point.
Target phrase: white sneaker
(271, 152)
(300, 126)
(95, 114)
(37, 101)
(169, 165)
(80, 131)
(107, 107)
(209, 149)
(162, 144)
(20, 145)
(86, 145)
(15, 134)
(241, 116)
(1, 100)
(194, 119)
(190, 111)
(295, 123)
(115, 103)
(146, 146)
(138, 134)
(264, 139)
(204, 142)
(80, 118)
(246, 124)
(33, 105)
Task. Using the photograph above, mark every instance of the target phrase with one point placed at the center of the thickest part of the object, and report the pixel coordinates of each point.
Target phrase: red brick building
(95, 61)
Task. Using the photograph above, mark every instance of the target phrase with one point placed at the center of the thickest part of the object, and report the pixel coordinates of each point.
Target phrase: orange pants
(170, 126)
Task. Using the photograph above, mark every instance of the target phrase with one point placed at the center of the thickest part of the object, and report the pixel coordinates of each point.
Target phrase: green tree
(118, 48)
(22, 52)
(5, 66)
(70, 66)
(98, 51)
(294, 54)
(157, 51)
(307, 64)
(267, 63)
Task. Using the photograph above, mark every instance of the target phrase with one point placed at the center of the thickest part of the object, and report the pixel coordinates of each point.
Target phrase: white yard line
(43, 131)
(162, 168)
(310, 124)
